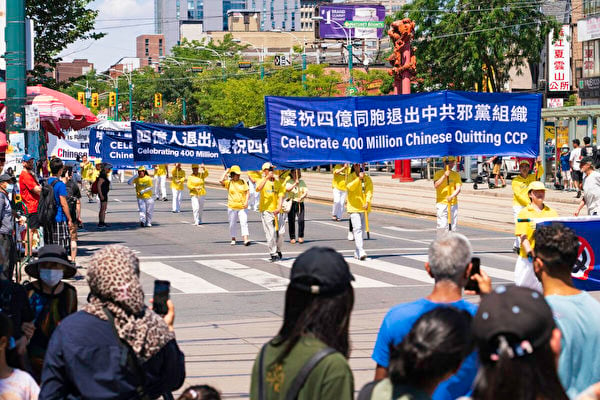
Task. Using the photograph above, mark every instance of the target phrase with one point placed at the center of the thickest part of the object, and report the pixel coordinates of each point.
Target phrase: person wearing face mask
(7, 223)
(51, 300)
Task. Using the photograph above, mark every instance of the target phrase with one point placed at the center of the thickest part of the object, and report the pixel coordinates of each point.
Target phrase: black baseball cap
(586, 160)
(519, 314)
(322, 271)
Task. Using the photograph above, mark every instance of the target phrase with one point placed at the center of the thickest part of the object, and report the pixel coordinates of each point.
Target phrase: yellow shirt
(528, 228)
(519, 187)
(270, 194)
(255, 176)
(359, 193)
(237, 192)
(297, 192)
(339, 180)
(142, 184)
(87, 171)
(196, 183)
(94, 174)
(160, 170)
(443, 191)
(177, 178)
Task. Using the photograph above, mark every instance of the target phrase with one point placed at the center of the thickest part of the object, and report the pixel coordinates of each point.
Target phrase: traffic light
(81, 97)
(94, 99)
(112, 99)
(157, 100)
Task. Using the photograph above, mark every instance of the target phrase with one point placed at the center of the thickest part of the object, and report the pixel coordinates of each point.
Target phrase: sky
(122, 21)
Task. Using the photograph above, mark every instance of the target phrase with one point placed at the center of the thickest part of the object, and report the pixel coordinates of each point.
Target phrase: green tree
(462, 43)
(57, 24)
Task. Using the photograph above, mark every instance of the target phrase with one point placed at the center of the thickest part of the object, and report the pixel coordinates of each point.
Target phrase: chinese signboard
(343, 21)
(559, 61)
(588, 29)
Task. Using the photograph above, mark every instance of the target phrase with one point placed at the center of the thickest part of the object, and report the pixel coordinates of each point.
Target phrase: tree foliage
(460, 44)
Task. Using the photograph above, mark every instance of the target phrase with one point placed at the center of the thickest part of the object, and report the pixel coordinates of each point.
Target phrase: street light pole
(130, 87)
(303, 43)
(260, 56)
(348, 45)
(218, 55)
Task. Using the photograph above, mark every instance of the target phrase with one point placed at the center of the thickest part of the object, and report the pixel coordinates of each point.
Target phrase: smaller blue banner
(244, 147)
(117, 149)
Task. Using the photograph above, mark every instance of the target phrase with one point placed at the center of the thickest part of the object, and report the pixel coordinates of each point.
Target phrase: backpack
(94, 187)
(47, 206)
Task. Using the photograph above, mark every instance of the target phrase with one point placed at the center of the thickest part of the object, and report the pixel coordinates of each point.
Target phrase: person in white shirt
(575, 159)
(591, 188)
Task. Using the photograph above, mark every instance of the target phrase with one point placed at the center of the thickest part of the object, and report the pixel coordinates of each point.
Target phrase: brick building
(74, 69)
(149, 49)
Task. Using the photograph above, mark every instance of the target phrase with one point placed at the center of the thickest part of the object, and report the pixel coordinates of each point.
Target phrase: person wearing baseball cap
(518, 345)
(519, 185)
(591, 187)
(524, 230)
(271, 198)
(7, 223)
(143, 191)
(318, 303)
(238, 193)
(447, 184)
(195, 184)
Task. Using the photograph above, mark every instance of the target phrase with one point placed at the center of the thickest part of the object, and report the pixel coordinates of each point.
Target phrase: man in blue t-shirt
(60, 230)
(576, 313)
(565, 167)
(449, 265)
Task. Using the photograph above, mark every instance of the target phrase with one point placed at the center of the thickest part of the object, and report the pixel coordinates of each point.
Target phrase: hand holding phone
(472, 284)
(161, 295)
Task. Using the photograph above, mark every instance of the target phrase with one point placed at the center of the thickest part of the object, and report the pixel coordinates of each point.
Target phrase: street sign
(282, 60)
(32, 118)
(365, 24)
(244, 64)
(351, 91)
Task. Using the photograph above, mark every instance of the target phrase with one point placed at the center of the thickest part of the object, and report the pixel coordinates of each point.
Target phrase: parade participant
(574, 160)
(524, 229)
(143, 192)
(448, 184)
(340, 174)
(237, 202)
(74, 202)
(7, 224)
(296, 191)
(30, 191)
(62, 221)
(520, 187)
(496, 162)
(271, 197)
(360, 193)
(103, 189)
(591, 187)
(565, 168)
(254, 200)
(87, 177)
(177, 181)
(161, 174)
(195, 184)
(315, 331)
(50, 298)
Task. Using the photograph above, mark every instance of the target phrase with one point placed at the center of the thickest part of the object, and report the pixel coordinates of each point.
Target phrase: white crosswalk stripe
(180, 280)
(393, 268)
(491, 271)
(253, 275)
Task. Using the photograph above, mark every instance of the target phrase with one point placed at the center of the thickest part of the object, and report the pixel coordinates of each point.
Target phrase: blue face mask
(10, 187)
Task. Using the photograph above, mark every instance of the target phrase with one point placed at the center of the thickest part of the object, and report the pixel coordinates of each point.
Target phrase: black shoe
(274, 258)
(578, 194)
(165, 199)
(141, 224)
(516, 249)
(279, 255)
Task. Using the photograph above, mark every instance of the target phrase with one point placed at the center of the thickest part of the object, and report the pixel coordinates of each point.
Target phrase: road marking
(392, 268)
(492, 238)
(117, 200)
(396, 228)
(491, 271)
(185, 222)
(345, 227)
(256, 276)
(180, 280)
(360, 282)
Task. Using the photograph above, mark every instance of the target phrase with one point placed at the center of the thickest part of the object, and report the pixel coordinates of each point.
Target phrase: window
(591, 58)
(591, 7)
(147, 41)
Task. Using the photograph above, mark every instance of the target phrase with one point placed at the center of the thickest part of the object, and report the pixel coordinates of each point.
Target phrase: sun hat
(535, 185)
(322, 271)
(518, 314)
(235, 169)
(51, 253)
(267, 165)
(564, 146)
(141, 168)
(195, 166)
(449, 158)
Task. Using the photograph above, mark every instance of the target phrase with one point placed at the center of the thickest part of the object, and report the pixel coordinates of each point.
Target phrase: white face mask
(51, 277)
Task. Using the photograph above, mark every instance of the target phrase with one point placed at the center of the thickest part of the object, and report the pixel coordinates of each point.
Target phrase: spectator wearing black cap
(7, 224)
(589, 151)
(518, 345)
(577, 314)
(591, 187)
(318, 303)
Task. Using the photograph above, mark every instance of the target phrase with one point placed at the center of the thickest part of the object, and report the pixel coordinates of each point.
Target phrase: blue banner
(244, 147)
(167, 144)
(381, 128)
(97, 133)
(117, 149)
(586, 271)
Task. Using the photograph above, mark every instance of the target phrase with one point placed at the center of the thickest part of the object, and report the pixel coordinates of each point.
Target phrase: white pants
(254, 198)
(358, 222)
(442, 218)
(176, 199)
(525, 276)
(234, 215)
(146, 208)
(274, 241)
(197, 208)
(160, 186)
(339, 199)
(516, 211)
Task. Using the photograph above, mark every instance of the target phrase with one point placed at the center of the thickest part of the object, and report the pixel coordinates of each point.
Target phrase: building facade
(149, 49)
(74, 69)
(588, 45)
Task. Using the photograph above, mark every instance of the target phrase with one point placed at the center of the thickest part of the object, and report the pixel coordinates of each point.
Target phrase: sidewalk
(486, 208)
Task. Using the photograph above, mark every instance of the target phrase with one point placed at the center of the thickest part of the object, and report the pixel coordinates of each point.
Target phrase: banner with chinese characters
(166, 144)
(244, 147)
(559, 61)
(381, 128)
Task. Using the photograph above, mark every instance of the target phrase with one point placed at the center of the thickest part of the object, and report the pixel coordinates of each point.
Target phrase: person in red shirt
(30, 193)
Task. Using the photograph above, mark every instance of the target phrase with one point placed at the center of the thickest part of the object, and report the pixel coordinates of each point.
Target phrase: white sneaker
(148, 224)
(233, 242)
(350, 236)
(195, 223)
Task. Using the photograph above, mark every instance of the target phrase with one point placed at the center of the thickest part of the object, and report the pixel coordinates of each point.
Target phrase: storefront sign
(559, 61)
(588, 29)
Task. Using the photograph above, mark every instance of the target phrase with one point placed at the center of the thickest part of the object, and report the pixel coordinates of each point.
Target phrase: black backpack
(47, 206)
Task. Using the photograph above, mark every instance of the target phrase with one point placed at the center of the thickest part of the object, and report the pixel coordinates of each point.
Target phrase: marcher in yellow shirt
(197, 191)
(340, 173)
(254, 199)
(161, 174)
(448, 184)
(524, 229)
(143, 192)
(520, 185)
(87, 177)
(296, 191)
(360, 194)
(237, 202)
(177, 181)
(271, 197)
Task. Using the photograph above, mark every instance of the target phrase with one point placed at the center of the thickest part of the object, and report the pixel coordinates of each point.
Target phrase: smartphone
(472, 284)
(161, 295)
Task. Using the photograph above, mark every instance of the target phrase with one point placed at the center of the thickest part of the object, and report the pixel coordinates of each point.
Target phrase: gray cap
(5, 178)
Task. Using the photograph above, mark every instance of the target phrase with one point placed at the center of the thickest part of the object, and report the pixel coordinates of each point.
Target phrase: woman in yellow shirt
(237, 202)
(143, 191)
(197, 191)
(177, 181)
(297, 192)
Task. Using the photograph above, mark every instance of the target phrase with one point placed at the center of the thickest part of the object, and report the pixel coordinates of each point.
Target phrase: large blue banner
(380, 128)
(166, 144)
(117, 149)
(586, 271)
